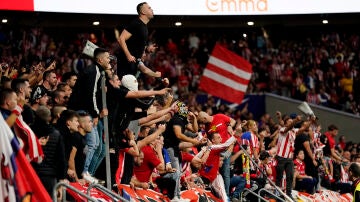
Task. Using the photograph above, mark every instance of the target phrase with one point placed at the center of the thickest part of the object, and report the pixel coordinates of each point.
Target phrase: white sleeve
(226, 144)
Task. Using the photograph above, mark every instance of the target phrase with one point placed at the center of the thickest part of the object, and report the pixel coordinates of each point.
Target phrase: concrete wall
(348, 124)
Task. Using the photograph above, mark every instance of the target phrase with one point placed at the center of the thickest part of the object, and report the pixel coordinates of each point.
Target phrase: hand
(51, 66)
(82, 181)
(166, 82)
(144, 185)
(203, 141)
(59, 193)
(315, 162)
(278, 114)
(132, 143)
(131, 58)
(129, 134)
(164, 91)
(196, 162)
(71, 173)
(168, 168)
(192, 116)
(132, 185)
(43, 140)
(95, 121)
(161, 127)
(157, 74)
(104, 112)
(151, 48)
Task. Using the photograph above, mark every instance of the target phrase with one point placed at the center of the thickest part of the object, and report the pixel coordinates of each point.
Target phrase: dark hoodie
(54, 163)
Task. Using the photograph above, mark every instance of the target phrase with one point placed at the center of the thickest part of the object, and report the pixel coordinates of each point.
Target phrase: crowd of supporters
(180, 142)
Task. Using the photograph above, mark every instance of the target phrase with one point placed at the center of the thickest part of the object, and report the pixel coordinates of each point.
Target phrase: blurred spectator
(53, 168)
(303, 182)
(70, 78)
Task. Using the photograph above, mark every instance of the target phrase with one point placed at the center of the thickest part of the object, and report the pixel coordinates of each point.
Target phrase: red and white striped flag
(226, 75)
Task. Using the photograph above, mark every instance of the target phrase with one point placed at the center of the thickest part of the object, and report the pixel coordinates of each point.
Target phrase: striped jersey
(285, 144)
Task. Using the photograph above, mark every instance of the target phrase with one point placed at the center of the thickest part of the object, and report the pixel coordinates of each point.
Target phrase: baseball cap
(38, 93)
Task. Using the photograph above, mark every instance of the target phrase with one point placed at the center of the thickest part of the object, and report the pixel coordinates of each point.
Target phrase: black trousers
(287, 165)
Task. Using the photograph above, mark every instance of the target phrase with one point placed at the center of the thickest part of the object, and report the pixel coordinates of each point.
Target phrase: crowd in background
(323, 71)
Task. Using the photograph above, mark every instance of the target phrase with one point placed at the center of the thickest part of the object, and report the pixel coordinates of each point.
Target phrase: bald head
(204, 117)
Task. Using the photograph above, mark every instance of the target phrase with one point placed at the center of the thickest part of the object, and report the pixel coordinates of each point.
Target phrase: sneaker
(86, 176)
(101, 182)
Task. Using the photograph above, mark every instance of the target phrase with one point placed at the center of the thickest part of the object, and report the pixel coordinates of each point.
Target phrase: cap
(38, 93)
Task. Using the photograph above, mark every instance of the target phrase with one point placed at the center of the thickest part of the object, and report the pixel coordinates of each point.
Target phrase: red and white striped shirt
(312, 98)
(250, 139)
(285, 143)
(299, 166)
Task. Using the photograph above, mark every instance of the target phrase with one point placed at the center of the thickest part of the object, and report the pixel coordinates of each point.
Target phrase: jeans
(306, 184)
(239, 183)
(92, 142)
(225, 173)
(176, 177)
(175, 163)
(99, 153)
(286, 164)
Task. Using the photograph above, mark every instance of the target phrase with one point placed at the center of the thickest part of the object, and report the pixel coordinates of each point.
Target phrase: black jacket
(54, 163)
(86, 94)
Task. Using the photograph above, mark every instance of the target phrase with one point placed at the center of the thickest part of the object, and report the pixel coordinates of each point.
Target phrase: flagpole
(106, 132)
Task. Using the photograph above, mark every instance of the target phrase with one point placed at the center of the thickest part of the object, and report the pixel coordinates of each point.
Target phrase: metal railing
(64, 184)
(107, 192)
(268, 192)
(255, 194)
(264, 174)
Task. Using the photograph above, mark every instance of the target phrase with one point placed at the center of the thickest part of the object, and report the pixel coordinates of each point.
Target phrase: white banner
(189, 7)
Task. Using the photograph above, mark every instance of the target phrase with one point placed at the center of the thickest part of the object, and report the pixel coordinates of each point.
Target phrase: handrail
(106, 133)
(267, 191)
(112, 195)
(270, 182)
(73, 189)
(255, 194)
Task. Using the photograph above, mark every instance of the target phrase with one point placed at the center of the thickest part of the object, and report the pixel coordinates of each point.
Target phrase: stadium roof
(47, 19)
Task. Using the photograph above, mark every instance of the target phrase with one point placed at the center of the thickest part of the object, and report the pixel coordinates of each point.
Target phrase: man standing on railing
(133, 41)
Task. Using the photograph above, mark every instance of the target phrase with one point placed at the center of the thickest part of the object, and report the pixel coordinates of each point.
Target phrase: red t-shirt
(219, 124)
(186, 156)
(299, 166)
(151, 161)
(211, 167)
(331, 140)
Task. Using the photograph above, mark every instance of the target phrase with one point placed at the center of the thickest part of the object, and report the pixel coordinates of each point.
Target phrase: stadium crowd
(156, 126)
